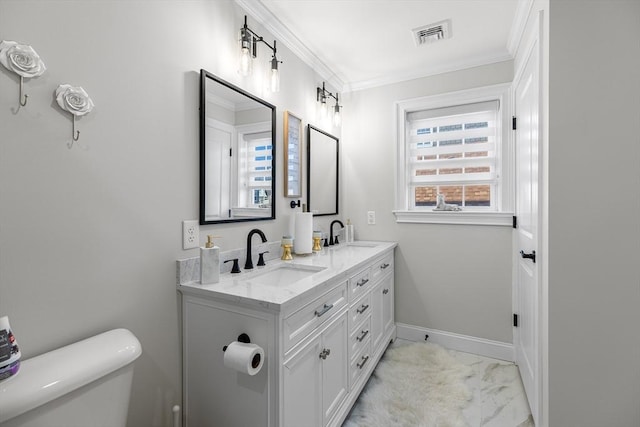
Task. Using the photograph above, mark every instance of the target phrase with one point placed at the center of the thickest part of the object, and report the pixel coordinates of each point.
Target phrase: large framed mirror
(322, 176)
(237, 154)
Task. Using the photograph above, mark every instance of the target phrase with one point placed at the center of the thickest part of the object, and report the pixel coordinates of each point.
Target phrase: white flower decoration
(74, 100)
(21, 59)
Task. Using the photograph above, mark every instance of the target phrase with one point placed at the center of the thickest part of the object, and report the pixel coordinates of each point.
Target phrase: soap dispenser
(209, 263)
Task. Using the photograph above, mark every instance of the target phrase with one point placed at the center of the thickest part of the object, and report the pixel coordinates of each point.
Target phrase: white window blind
(258, 160)
(453, 148)
(255, 167)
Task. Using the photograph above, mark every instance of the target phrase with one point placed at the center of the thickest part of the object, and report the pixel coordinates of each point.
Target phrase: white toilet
(85, 384)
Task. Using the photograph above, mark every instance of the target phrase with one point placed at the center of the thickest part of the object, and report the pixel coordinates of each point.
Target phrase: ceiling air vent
(432, 33)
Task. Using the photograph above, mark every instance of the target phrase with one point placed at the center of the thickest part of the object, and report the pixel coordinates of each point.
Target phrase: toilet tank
(85, 384)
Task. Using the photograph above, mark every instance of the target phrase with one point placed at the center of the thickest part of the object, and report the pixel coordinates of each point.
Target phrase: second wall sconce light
(321, 96)
(249, 50)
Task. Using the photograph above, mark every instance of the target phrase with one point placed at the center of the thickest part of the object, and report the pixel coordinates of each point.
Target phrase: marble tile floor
(498, 394)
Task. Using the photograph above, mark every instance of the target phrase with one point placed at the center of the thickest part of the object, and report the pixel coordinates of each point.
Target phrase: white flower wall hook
(77, 102)
(22, 60)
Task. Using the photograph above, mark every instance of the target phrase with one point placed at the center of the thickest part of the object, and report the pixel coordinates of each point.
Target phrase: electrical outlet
(190, 234)
(371, 217)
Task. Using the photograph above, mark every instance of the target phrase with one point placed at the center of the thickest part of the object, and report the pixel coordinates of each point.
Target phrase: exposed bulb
(323, 107)
(337, 119)
(275, 81)
(245, 62)
(275, 76)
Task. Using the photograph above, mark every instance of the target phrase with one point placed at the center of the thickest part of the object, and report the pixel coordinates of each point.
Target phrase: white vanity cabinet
(322, 338)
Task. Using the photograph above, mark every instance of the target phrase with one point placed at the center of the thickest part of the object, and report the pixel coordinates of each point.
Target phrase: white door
(218, 171)
(526, 236)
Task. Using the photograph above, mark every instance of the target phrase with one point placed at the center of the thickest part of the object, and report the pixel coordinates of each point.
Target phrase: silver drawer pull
(326, 308)
(385, 291)
(362, 282)
(364, 362)
(361, 337)
(384, 266)
(362, 308)
(324, 353)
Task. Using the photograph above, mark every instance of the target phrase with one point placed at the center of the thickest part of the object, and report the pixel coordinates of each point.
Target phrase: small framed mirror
(292, 158)
(322, 176)
(237, 154)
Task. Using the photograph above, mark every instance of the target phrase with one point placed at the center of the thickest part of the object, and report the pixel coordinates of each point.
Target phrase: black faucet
(248, 265)
(331, 241)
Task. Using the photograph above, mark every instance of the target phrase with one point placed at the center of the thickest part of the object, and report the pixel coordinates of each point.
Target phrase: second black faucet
(331, 239)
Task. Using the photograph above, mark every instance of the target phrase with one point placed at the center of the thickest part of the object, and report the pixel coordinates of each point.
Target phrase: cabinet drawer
(360, 310)
(381, 267)
(299, 324)
(358, 284)
(360, 336)
(360, 363)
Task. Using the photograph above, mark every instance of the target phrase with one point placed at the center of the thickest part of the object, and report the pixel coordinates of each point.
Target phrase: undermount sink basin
(355, 246)
(284, 274)
(363, 244)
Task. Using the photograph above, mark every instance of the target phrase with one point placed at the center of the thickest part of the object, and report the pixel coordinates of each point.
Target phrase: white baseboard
(465, 343)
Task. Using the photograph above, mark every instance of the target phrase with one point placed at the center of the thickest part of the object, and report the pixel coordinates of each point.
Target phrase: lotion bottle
(209, 263)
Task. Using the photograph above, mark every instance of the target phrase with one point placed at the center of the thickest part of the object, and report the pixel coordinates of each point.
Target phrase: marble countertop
(337, 263)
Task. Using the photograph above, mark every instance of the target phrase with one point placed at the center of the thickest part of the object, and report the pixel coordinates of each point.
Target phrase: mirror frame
(311, 128)
(295, 122)
(204, 75)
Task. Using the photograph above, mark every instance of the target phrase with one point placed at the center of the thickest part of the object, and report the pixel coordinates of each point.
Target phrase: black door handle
(531, 256)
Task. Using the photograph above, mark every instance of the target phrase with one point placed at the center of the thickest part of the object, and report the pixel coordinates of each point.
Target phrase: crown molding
(432, 71)
(518, 25)
(271, 23)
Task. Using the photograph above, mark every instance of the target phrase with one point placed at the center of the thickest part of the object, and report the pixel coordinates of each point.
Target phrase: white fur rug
(419, 385)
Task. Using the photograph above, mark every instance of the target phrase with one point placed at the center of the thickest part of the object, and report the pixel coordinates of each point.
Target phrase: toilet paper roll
(303, 241)
(243, 357)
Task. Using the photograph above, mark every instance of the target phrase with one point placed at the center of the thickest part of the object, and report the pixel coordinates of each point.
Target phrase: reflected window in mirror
(237, 154)
(292, 127)
(322, 177)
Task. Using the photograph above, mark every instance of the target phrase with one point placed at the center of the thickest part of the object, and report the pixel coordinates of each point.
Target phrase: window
(255, 169)
(455, 145)
(452, 151)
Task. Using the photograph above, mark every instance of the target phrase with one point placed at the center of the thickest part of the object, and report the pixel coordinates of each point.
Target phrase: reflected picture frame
(292, 155)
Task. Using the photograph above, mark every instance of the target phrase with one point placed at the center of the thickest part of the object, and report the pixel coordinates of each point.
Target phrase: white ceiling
(356, 44)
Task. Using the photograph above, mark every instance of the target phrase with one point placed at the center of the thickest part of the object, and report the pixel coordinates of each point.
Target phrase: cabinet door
(376, 317)
(382, 318)
(387, 303)
(335, 366)
(302, 406)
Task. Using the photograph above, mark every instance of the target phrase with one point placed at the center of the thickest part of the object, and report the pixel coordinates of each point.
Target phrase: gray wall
(594, 214)
(454, 278)
(89, 235)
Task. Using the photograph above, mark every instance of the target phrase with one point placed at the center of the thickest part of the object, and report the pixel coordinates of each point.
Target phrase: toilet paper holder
(241, 338)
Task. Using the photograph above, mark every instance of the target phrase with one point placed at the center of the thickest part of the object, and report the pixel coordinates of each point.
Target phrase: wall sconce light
(321, 96)
(249, 50)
